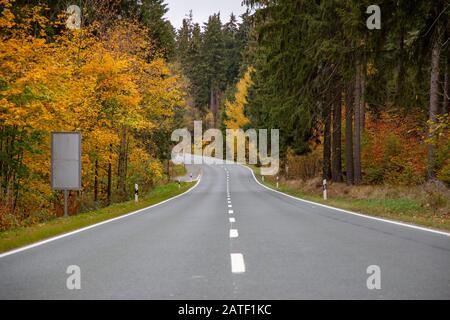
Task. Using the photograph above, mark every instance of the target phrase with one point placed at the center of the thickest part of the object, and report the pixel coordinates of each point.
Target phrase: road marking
(230, 211)
(234, 233)
(40, 243)
(351, 212)
(230, 206)
(229, 201)
(237, 263)
(232, 220)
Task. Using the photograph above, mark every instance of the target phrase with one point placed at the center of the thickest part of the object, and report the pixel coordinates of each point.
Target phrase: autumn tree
(101, 84)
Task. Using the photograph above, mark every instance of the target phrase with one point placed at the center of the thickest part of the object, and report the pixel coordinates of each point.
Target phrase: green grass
(12, 239)
(396, 208)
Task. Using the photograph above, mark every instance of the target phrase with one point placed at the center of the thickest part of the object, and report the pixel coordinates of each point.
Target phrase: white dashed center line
(237, 263)
(237, 259)
(234, 233)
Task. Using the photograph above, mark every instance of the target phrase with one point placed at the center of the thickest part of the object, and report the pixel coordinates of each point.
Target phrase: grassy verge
(396, 206)
(22, 236)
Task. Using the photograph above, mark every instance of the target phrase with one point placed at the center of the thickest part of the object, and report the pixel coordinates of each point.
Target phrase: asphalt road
(276, 248)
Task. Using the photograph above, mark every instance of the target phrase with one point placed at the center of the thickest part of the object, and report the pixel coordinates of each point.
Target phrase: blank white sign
(66, 160)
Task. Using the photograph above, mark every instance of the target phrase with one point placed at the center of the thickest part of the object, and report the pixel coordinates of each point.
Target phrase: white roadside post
(278, 178)
(136, 193)
(262, 178)
(325, 196)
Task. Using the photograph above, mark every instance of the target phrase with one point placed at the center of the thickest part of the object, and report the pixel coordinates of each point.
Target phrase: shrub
(393, 152)
(304, 167)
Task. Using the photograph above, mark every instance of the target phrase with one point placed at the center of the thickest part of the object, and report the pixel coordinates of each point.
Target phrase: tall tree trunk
(327, 143)
(357, 129)
(213, 103)
(168, 170)
(2, 176)
(122, 166)
(109, 186)
(349, 136)
(96, 180)
(401, 66)
(363, 98)
(337, 144)
(434, 99)
(446, 104)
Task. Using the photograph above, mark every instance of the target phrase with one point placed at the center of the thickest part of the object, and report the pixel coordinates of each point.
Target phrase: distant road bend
(232, 238)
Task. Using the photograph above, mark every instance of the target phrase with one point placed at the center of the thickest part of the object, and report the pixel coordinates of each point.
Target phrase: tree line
(374, 103)
(211, 58)
(111, 80)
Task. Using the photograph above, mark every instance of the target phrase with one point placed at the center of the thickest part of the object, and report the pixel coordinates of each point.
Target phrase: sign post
(66, 163)
(325, 196)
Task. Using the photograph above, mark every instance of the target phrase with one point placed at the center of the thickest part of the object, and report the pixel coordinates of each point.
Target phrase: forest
(368, 110)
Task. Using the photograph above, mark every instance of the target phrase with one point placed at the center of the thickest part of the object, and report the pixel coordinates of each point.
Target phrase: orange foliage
(393, 150)
(81, 80)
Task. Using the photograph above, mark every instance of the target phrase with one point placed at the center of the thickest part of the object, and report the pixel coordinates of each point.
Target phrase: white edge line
(40, 243)
(351, 212)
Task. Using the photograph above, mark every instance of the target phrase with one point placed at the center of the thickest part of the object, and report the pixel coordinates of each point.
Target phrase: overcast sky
(202, 9)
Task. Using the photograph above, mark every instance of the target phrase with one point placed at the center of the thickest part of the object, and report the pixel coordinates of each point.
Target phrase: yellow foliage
(235, 117)
(81, 81)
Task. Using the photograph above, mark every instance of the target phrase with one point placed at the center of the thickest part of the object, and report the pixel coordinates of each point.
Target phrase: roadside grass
(405, 206)
(19, 237)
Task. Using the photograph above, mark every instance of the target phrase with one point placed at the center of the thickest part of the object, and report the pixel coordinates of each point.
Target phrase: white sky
(202, 9)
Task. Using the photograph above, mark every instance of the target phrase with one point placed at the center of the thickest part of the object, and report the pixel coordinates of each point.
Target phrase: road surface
(259, 244)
